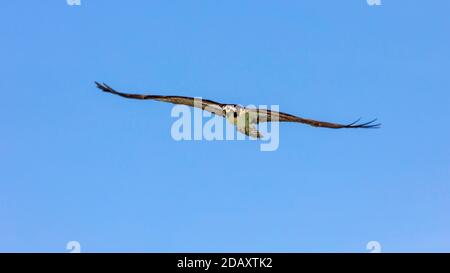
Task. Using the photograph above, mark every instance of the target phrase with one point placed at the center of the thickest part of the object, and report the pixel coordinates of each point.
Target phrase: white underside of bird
(244, 120)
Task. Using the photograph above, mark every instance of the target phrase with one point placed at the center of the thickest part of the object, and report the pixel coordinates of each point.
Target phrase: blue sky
(77, 164)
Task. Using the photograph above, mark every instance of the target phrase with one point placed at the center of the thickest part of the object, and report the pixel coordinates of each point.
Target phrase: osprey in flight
(245, 119)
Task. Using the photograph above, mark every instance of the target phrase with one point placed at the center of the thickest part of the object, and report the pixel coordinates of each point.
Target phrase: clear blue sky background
(78, 164)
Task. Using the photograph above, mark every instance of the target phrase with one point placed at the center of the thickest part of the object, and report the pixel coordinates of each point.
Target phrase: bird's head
(231, 110)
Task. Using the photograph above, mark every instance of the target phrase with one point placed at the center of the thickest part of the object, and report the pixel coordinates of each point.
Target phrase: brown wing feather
(208, 105)
(265, 115)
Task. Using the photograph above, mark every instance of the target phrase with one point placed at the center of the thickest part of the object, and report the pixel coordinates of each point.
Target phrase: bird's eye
(235, 114)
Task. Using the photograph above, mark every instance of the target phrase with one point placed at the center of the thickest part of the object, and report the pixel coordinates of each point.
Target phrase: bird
(244, 118)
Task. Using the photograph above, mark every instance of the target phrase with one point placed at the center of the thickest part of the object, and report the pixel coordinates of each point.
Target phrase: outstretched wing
(208, 105)
(264, 115)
